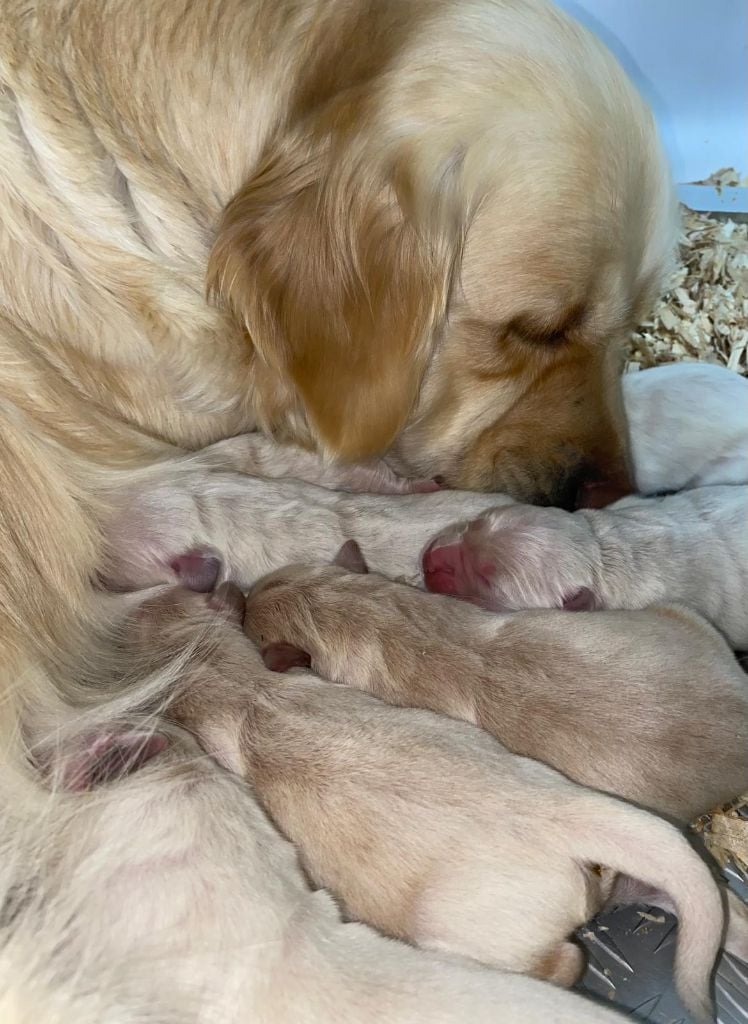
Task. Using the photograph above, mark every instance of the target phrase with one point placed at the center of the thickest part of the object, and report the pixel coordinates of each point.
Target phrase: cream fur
(689, 434)
(167, 897)
(127, 129)
(417, 822)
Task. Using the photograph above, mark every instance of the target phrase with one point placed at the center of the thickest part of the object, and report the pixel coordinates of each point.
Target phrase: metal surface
(631, 953)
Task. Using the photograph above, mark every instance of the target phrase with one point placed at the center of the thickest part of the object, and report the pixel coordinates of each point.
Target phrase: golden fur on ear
(338, 287)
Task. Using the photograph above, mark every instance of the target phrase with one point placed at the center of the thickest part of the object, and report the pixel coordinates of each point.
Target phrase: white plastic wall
(690, 59)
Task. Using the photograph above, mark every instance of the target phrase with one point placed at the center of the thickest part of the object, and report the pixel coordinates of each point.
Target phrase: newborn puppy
(690, 547)
(159, 892)
(425, 827)
(688, 424)
(202, 520)
(208, 518)
(632, 703)
(689, 431)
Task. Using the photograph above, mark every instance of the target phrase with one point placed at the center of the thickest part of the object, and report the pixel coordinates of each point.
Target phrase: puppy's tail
(611, 833)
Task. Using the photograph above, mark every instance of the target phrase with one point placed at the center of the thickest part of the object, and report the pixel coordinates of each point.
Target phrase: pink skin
(197, 570)
(109, 756)
(471, 561)
(428, 486)
(599, 494)
(460, 569)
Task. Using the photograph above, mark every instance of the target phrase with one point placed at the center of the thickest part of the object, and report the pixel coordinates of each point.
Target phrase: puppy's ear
(280, 657)
(351, 557)
(337, 286)
(109, 757)
(582, 600)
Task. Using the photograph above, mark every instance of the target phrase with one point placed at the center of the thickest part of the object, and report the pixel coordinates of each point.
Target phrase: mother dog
(424, 225)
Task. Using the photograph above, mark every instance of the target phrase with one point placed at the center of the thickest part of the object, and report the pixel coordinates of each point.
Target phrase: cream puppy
(688, 425)
(689, 433)
(224, 514)
(631, 703)
(690, 547)
(157, 892)
(422, 826)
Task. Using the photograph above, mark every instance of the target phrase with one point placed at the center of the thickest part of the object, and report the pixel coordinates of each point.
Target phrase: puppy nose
(440, 567)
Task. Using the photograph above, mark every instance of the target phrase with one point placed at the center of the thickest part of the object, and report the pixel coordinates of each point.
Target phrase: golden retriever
(426, 222)
(439, 249)
(425, 225)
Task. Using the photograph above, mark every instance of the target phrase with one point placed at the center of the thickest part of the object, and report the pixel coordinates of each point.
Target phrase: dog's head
(441, 263)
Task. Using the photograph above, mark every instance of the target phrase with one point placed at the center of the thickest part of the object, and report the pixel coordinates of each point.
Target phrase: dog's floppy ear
(338, 288)
(351, 557)
(280, 657)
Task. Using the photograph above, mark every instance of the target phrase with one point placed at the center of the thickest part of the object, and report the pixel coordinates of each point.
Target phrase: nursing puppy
(152, 889)
(632, 703)
(425, 827)
(179, 523)
(690, 548)
(689, 432)
(223, 514)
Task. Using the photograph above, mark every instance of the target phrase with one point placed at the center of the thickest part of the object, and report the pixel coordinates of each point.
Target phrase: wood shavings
(725, 833)
(704, 315)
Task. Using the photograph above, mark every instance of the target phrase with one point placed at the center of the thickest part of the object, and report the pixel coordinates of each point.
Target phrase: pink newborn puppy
(690, 548)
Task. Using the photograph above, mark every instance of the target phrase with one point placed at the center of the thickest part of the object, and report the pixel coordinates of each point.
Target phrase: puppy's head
(443, 265)
(515, 558)
(288, 611)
